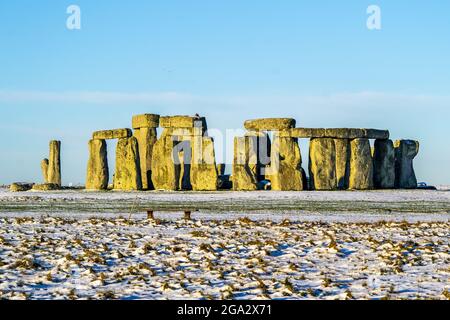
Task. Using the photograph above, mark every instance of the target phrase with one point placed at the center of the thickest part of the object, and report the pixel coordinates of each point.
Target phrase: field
(260, 245)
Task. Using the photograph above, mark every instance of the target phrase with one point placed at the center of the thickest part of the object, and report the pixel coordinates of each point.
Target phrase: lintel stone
(181, 122)
(270, 124)
(112, 134)
(336, 133)
(145, 121)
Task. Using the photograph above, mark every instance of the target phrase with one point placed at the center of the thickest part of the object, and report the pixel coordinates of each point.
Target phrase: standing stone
(361, 165)
(322, 164)
(128, 169)
(54, 163)
(97, 170)
(286, 165)
(204, 175)
(44, 168)
(264, 155)
(260, 159)
(165, 172)
(405, 152)
(342, 147)
(146, 138)
(245, 150)
(384, 164)
(183, 156)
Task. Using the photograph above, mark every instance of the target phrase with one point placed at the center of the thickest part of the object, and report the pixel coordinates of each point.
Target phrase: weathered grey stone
(261, 159)
(145, 121)
(146, 138)
(20, 187)
(128, 169)
(405, 152)
(97, 169)
(286, 165)
(345, 133)
(54, 163)
(304, 133)
(165, 172)
(204, 175)
(46, 187)
(384, 164)
(245, 150)
(270, 124)
(322, 164)
(112, 134)
(361, 165)
(44, 169)
(183, 134)
(338, 133)
(342, 147)
(182, 122)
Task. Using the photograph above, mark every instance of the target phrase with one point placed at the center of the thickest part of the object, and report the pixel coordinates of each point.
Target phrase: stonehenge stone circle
(183, 158)
(322, 164)
(361, 165)
(286, 165)
(54, 163)
(384, 164)
(128, 170)
(405, 152)
(97, 169)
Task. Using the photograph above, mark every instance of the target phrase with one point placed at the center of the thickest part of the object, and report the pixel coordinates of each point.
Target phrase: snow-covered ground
(244, 245)
(56, 258)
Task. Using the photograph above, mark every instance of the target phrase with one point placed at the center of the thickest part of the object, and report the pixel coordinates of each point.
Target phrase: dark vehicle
(424, 186)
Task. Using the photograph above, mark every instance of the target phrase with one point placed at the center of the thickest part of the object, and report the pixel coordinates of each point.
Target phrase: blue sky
(229, 60)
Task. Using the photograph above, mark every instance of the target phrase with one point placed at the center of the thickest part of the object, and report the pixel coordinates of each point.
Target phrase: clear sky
(228, 60)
